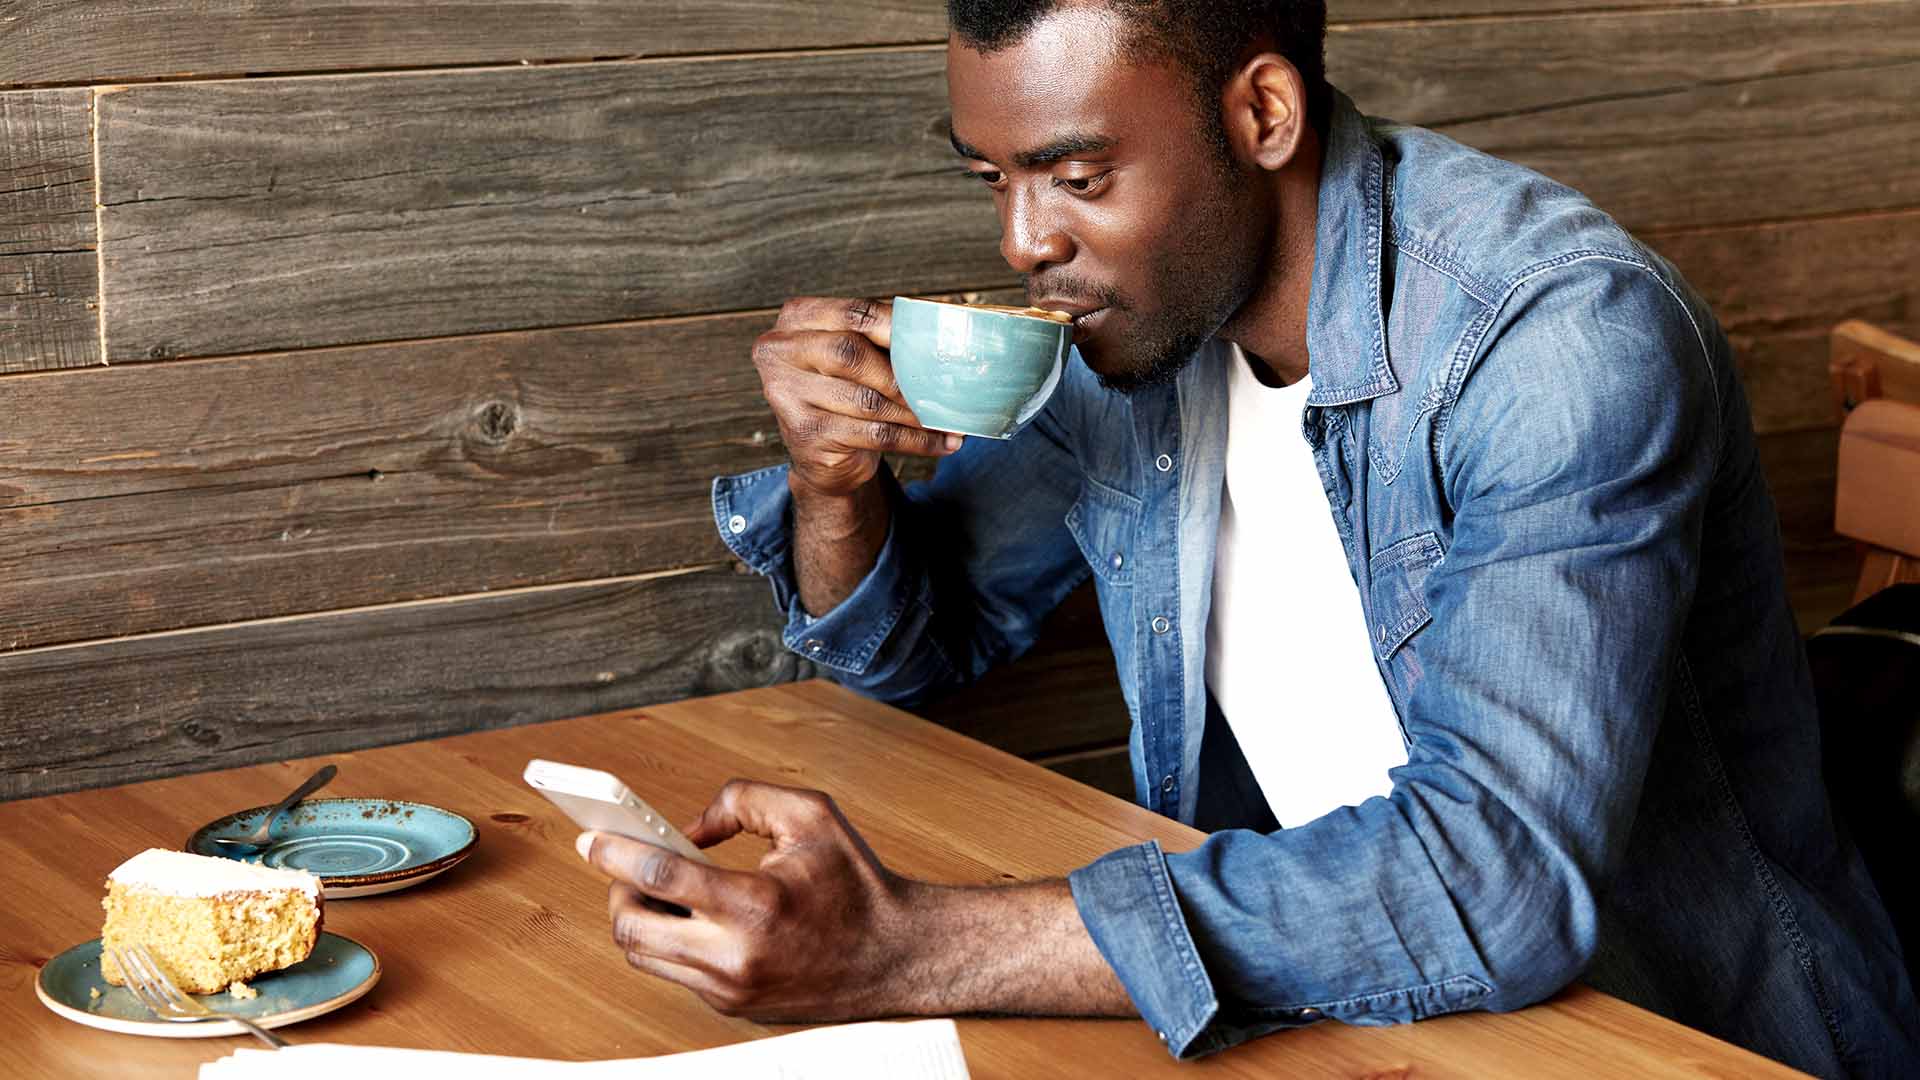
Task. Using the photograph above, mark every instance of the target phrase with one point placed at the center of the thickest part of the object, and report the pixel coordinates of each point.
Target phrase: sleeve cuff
(1127, 902)
(754, 513)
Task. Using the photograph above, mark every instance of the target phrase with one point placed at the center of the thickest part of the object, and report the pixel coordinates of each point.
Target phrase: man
(1549, 548)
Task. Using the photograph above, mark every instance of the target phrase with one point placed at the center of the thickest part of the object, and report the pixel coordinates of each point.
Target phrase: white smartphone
(598, 801)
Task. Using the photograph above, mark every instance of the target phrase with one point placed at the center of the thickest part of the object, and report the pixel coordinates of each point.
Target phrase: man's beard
(1161, 358)
(1154, 351)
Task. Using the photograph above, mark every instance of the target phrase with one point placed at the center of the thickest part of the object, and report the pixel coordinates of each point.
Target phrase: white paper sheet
(913, 1050)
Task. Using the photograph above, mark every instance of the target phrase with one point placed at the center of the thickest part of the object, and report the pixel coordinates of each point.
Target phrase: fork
(157, 992)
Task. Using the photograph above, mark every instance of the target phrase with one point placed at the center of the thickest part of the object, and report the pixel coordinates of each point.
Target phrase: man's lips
(1084, 315)
(1085, 326)
(1074, 308)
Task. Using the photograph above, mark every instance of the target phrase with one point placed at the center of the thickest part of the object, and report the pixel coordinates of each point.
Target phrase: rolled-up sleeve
(754, 515)
(1578, 459)
(1128, 904)
(973, 561)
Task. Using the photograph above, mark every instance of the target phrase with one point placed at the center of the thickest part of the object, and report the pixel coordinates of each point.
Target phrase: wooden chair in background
(1876, 382)
(1866, 665)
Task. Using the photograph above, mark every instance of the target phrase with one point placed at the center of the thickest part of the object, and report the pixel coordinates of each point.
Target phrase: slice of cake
(209, 922)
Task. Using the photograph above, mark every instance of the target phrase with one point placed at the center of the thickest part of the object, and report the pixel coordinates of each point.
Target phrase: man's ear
(1265, 109)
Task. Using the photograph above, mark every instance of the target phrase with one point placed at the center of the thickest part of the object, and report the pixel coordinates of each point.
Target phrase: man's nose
(1029, 239)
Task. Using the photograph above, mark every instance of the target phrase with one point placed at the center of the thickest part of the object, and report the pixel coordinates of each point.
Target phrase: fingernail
(584, 845)
(953, 442)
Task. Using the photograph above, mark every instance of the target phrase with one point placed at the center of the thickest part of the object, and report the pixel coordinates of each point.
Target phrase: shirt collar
(1346, 321)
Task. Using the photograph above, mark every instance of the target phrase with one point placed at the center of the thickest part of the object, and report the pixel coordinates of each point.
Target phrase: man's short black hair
(1208, 39)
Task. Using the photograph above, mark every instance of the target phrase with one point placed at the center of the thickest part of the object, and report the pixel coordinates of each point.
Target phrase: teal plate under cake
(339, 971)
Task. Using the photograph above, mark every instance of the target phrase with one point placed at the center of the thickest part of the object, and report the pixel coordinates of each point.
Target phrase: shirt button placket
(1161, 626)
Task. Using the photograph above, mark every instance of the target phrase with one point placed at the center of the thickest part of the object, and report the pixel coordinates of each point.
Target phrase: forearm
(904, 594)
(836, 540)
(1018, 949)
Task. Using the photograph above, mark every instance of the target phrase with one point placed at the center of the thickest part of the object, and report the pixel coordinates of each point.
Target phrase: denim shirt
(1538, 455)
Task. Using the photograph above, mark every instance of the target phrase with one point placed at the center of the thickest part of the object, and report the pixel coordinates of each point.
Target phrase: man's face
(1113, 202)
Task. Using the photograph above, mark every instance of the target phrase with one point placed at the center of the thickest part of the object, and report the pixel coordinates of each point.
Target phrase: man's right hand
(825, 370)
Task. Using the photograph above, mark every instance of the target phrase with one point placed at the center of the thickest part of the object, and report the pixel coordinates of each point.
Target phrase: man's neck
(1272, 326)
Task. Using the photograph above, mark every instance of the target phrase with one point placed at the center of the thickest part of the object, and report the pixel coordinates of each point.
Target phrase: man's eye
(1081, 185)
(989, 177)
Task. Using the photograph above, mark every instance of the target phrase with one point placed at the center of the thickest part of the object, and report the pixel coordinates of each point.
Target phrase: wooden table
(524, 921)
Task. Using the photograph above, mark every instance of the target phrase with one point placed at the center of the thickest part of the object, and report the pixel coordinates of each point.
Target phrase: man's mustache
(1058, 285)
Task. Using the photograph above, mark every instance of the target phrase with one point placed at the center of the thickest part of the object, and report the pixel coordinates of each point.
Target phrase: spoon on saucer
(263, 835)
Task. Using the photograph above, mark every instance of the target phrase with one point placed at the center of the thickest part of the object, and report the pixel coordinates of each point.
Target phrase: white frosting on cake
(178, 873)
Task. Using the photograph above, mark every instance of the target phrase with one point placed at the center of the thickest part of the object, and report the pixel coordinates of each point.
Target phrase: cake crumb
(242, 991)
(93, 993)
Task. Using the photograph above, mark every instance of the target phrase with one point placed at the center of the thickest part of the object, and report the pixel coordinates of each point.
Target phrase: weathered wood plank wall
(206, 492)
(362, 366)
(49, 277)
(247, 215)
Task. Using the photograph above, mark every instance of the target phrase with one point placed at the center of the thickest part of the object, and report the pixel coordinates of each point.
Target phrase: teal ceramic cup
(975, 370)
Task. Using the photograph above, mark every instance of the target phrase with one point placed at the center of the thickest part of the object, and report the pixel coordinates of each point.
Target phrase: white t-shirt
(1288, 656)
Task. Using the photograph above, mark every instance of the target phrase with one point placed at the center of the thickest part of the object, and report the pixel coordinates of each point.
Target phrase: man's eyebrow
(965, 150)
(1064, 147)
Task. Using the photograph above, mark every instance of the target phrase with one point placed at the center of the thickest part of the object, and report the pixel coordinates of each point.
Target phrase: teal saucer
(339, 972)
(358, 847)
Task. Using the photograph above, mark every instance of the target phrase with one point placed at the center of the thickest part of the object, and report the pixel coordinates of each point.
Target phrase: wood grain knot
(496, 422)
(749, 658)
(511, 818)
(8, 956)
(199, 733)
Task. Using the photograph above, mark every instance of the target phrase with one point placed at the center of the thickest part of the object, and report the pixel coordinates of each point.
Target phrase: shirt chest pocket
(1398, 577)
(1106, 524)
